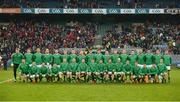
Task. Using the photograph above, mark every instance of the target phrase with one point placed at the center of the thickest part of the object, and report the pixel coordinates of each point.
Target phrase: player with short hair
(56, 58)
(72, 69)
(16, 59)
(81, 56)
(111, 67)
(128, 70)
(124, 56)
(38, 57)
(132, 58)
(98, 56)
(28, 56)
(145, 73)
(63, 69)
(72, 56)
(162, 71)
(115, 56)
(157, 57)
(93, 69)
(47, 58)
(54, 73)
(34, 72)
(149, 59)
(141, 59)
(101, 68)
(120, 72)
(167, 61)
(64, 56)
(136, 73)
(23, 70)
(153, 71)
(44, 72)
(89, 57)
(83, 69)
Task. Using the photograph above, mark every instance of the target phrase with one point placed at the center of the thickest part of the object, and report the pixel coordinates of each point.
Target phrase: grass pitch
(11, 91)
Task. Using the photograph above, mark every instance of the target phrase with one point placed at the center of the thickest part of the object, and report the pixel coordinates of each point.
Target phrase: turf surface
(89, 92)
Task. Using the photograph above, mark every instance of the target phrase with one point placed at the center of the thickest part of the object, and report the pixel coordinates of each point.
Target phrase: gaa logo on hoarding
(141, 11)
(84, 11)
(113, 11)
(56, 10)
(27, 11)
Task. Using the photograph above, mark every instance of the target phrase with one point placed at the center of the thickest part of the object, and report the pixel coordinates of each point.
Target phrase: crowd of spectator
(32, 35)
(144, 36)
(91, 3)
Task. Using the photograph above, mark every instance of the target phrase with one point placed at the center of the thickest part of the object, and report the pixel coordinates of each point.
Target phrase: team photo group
(89, 67)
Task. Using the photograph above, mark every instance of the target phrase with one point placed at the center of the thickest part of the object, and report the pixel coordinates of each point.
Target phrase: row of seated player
(110, 61)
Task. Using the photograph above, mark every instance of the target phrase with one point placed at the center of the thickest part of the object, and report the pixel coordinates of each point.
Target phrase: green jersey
(136, 70)
(72, 56)
(167, 60)
(82, 67)
(111, 67)
(153, 71)
(23, 68)
(149, 59)
(44, 70)
(28, 57)
(93, 67)
(54, 70)
(98, 57)
(132, 59)
(72, 67)
(144, 71)
(106, 58)
(64, 67)
(101, 67)
(162, 68)
(34, 70)
(115, 57)
(17, 58)
(56, 59)
(128, 68)
(47, 58)
(141, 59)
(119, 67)
(124, 58)
(66, 56)
(157, 59)
(80, 57)
(89, 57)
(38, 58)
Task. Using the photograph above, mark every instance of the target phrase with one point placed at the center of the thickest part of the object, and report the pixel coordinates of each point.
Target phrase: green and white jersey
(34, 70)
(56, 59)
(153, 71)
(93, 67)
(167, 60)
(89, 57)
(66, 56)
(80, 57)
(136, 70)
(106, 58)
(144, 71)
(132, 59)
(115, 57)
(101, 67)
(72, 56)
(141, 59)
(23, 68)
(128, 68)
(98, 57)
(124, 58)
(38, 58)
(47, 58)
(82, 67)
(44, 70)
(162, 68)
(64, 67)
(149, 59)
(119, 67)
(111, 67)
(54, 70)
(73, 67)
(28, 57)
(156, 59)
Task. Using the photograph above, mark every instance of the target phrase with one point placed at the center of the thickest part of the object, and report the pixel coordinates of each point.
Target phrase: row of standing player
(141, 58)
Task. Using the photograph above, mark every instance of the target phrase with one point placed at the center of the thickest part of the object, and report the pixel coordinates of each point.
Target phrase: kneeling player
(120, 72)
(83, 69)
(44, 72)
(145, 73)
(110, 69)
(34, 72)
(162, 72)
(136, 73)
(101, 71)
(93, 69)
(54, 73)
(72, 70)
(63, 69)
(153, 71)
(128, 71)
(23, 70)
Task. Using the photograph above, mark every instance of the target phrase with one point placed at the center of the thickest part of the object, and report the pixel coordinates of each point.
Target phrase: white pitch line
(6, 81)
